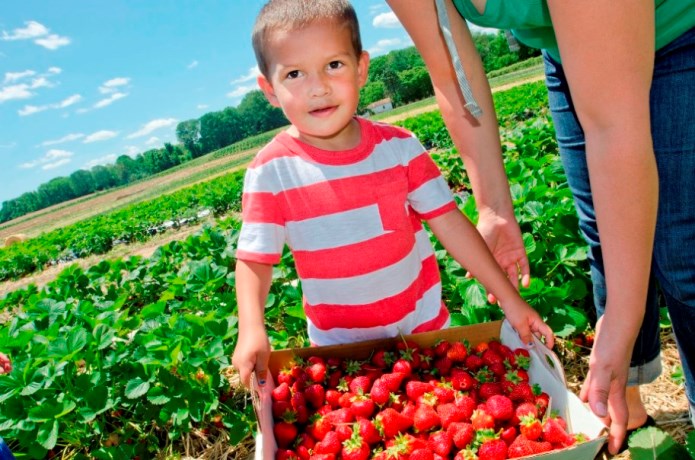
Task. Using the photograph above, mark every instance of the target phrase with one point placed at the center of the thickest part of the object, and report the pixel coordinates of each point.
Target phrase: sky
(84, 82)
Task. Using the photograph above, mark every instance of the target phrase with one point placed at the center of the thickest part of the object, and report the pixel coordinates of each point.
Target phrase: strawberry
(285, 433)
(474, 362)
(362, 406)
(530, 427)
(554, 432)
(462, 380)
(521, 392)
(319, 427)
(421, 454)
(440, 442)
(286, 454)
(457, 353)
(441, 347)
(414, 389)
(403, 366)
(360, 384)
(281, 392)
(489, 389)
(380, 391)
(508, 434)
(355, 449)
(491, 357)
(391, 422)
(500, 407)
(442, 365)
(280, 408)
(480, 419)
(393, 380)
(425, 418)
(450, 413)
(341, 415)
(323, 457)
(304, 444)
(525, 408)
(523, 446)
(462, 434)
(334, 378)
(315, 395)
(329, 445)
(522, 358)
(367, 430)
(467, 405)
(494, 449)
(344, 432)
(316, 370)
(542, 401)
(382, 359)
(332, 398)
(285, 376)
(444, 392)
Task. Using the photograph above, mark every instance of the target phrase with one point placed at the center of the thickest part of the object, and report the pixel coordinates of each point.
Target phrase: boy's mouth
(323, 111)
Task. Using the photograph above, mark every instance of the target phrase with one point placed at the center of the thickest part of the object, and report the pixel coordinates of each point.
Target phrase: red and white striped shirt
(352, 220)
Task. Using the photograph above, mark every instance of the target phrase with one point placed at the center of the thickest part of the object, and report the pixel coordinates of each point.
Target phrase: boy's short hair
(286, 15)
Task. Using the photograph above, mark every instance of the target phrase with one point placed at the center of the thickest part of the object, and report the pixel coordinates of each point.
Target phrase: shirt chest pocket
(392, 201)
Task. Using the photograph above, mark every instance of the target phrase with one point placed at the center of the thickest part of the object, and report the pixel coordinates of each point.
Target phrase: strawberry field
(130, 357)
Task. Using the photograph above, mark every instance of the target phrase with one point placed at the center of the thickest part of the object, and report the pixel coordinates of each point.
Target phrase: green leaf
(690, 443)
(157, 396)
(48, 434)
(474, 296)
(136, 388)
(77, 340)
(103, 335)
(654, 444)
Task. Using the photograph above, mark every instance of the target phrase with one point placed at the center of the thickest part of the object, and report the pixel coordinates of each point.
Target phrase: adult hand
(251, 355)
(503, 237)
(605, 384)
(5, 364)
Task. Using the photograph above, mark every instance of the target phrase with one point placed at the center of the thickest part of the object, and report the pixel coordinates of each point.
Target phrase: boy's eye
(293, 74)
(335, 64)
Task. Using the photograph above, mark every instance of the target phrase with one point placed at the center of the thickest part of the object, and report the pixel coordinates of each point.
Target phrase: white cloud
(131, 150)
(385, 45)
(109, 100)
(202, 106)
(9, 93)
(67, 138)
(481, 30)
(110, 86)
(252, 74)
(52, 42)
(31, 109)
(11, 145)
(192, 65)
(14, 76)
(55, 70)
(41, 82)
(100, 136)
(240, 91)
(386, 21)
(152, 141)
(33, 29)
(106, 159)
(152, 126)
(52, 159)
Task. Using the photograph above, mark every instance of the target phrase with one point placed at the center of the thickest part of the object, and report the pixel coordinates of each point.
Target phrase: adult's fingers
(524, 271)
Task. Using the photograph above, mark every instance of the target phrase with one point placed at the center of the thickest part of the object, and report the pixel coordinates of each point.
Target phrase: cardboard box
(545, 370)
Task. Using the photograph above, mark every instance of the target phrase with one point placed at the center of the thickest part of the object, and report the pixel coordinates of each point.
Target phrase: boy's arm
(252, 350)
(463, 242)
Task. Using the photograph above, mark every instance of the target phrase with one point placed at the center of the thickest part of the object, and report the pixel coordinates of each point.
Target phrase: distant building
(383, 105)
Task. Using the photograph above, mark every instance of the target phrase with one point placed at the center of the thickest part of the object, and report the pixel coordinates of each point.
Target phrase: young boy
(347, 196)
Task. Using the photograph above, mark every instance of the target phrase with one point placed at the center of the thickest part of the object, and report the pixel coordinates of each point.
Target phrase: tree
(104, 177)
(56, 190)
(258, 115)
(371, 92)
(415, 84)
(188, 133)
(82, 182)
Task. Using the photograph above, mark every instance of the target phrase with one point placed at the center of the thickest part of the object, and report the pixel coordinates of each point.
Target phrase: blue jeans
(5, 453)
(672, 103)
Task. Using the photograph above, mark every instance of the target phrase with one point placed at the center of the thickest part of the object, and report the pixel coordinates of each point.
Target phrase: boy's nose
(319, 86)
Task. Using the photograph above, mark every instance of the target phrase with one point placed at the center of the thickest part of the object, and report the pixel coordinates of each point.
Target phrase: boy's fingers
(261, 376)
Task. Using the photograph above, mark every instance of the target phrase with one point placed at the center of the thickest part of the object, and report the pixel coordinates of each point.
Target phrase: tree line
(400, 75)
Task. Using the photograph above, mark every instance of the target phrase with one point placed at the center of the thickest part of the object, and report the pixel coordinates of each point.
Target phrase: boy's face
(315, 77)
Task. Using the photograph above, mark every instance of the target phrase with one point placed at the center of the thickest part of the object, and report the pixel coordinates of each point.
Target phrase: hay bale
(14, 239)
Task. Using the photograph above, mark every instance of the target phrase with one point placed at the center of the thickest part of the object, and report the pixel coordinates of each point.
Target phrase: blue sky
(83, 82)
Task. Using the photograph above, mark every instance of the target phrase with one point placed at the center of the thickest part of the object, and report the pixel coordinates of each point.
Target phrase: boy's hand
(251, 354)
(5, 364)
(528, 323)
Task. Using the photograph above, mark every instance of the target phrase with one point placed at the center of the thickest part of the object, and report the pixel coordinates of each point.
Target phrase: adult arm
(252, 351)
(5, 364)
(463, 242)
(477, 140)
(607, 51)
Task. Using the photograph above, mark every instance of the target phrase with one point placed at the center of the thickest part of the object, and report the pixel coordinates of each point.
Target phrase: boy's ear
(363, 68)
(268, 91)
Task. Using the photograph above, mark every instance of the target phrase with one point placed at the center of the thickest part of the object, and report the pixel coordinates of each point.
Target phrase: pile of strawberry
(448, 401)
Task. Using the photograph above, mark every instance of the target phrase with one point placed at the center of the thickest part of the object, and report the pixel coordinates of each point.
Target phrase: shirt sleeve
(262, 236)
(428, 192)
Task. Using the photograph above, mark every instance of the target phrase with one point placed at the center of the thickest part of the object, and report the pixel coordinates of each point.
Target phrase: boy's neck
(347, 139)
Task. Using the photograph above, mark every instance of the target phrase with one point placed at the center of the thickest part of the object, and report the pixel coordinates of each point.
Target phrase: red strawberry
(495, 449)
(474, 362)
(319, 427)
(450, 413)
(489, 389)
(316, 369)
(462, 380)
(414, 389)
(323, 457)
(367, 430)
(508, 434)
(285, 433)
(332, 398)
(403, 366)
(382, 359)
(525, 408)
(421, 454)
(554, 432)
(425, 418)
(481, 420)
(355, 449)
(523, 446)
(467, 405)
(393, 380)
(500, 407)
(542, 402)
(530, 427)
(440, 442)
(329, 445)
(281, 392)
(441, 347)
(457, 353)
(443, 365)
(280, 408)
(461, 433)
(362, 406)
(444, 392)
(392, 422)
(521, 392)
(341, 415)
(360, 384)
(380, 392)
(315, 395)
(491, 357)
(285, 454)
